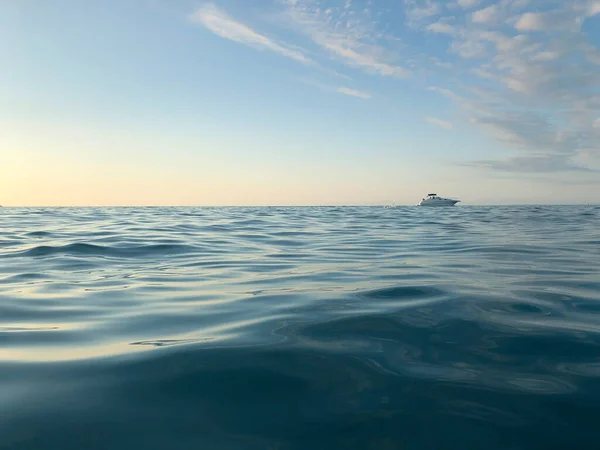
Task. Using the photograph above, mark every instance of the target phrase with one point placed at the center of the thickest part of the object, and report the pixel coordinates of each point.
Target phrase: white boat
(434, 200)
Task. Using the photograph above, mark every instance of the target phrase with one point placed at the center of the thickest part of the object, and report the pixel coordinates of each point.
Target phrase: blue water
(300, 328)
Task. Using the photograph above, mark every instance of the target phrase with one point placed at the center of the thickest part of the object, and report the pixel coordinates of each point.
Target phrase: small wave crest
(91, 250)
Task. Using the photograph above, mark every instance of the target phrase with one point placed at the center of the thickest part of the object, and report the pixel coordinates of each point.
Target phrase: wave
(80, 249)
(294, 328)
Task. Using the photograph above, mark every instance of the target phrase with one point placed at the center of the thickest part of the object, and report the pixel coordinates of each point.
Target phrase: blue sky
(299, 101)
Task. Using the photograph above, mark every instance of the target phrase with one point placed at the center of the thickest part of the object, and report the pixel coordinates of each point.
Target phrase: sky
(298, 102)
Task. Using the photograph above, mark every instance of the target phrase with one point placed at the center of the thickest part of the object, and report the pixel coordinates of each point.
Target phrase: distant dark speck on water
(300, 328)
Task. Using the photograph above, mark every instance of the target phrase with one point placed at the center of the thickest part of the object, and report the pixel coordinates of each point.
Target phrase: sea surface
(300, 328)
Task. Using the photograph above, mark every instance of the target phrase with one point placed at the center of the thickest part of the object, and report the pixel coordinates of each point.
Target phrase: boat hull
(438, 202)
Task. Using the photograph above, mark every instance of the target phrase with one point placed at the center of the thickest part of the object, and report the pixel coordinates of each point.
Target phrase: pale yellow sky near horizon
(57, 165)
(40, 183)
(132, 103)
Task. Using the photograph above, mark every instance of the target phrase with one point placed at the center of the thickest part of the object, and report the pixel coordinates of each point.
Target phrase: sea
(288, 328)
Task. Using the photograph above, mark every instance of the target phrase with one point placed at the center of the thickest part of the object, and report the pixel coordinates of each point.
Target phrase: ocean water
(300, 328)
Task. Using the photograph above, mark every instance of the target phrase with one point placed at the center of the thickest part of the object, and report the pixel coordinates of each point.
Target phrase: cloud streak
(439, 123)
(522, 71)
(529, 79)
(340, 89)
(491, 14)
(439, 27)
(345, 34)
(466, 4)
(550, 21)
(419, 11)
(223, 25)
(532, 164)
(354, 93)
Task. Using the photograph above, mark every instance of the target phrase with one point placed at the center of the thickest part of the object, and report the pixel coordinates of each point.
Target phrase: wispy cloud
(529, 79)
(418, 11)
(523, 71)
(220, 23)
(448, 93)
(532, 164)
(549, 21)
(339, 89)
(439, 123)
(491, 14)
(346, 34)
(440, 27)
(593, 8)
(354, 93)
(466, 4)
(530, 131)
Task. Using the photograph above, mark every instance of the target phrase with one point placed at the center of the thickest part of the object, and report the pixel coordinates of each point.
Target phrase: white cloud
(593, 8)
(417, 10)
(491, 14)
(364, 58)
(340, 90)
(530, 131)
(354, 93)
(447, 93)
(545, 56)
(536, 88)
(439, 123)
(526, 75)
(466, 4)
(350, 37)
(220, 23)
(438, 63)
(548, 21)
(440, 27)
(532, 164)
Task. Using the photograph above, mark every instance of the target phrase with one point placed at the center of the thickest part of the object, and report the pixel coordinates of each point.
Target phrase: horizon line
(348, 205)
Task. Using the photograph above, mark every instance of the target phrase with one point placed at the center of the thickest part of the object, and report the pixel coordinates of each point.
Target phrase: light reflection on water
(293, 328)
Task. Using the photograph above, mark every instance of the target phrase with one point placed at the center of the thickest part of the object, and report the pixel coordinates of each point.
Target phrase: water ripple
(292, 328)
